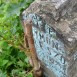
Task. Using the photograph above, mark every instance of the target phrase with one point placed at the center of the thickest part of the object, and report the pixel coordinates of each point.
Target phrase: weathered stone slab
(55, 35)
(57, 3)
(55, 17)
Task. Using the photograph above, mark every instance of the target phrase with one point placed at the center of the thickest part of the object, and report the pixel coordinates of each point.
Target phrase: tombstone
(55, 35)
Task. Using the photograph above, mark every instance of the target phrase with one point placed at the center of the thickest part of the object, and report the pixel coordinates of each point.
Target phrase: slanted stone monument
(55, 35)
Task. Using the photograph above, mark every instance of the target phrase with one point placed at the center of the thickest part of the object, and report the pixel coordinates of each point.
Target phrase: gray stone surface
(57, 3)
(55, 35)
(63, 19)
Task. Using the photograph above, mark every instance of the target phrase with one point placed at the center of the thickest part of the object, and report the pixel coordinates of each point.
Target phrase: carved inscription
(49, 48)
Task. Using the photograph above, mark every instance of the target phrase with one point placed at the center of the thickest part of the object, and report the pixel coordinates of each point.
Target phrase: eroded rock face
(62, 17)
(55, 35)
(57, 3)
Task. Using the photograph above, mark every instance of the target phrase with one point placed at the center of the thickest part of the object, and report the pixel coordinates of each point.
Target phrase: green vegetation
(13, 61)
